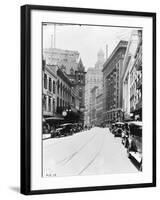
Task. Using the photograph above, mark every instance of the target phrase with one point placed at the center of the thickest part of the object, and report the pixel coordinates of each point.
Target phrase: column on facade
(47, 108)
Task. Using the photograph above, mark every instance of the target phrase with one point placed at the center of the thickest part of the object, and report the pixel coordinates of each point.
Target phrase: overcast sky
(87, 40)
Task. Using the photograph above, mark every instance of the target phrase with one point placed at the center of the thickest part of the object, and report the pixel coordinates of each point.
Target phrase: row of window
(112, 116)
(61, 102)
(49, 84)
(49, 105)
(137, 97)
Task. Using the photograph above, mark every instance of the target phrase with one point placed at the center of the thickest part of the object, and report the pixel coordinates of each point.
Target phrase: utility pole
(53, 38)
(54, 35)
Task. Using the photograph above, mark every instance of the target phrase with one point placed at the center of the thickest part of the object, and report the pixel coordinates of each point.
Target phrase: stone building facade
(71, 64)
(65, 59)
(132, 79)
(112, 84)
(49, 80)
(99, 109)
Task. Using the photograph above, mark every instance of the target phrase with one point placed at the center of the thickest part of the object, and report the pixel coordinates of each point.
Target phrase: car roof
(136, 123)
(121, 123)
(66, 124)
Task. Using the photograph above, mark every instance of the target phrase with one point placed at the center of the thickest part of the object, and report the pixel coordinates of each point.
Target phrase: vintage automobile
(64, 130)
(118, 129)
(111, 128)
(125, 135)
(134, 146)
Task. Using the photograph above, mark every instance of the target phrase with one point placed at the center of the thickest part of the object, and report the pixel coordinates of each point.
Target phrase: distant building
(93, 106)
(77, 78)
(112, 84)
(99, 109)
(94, 77)
(67, 60)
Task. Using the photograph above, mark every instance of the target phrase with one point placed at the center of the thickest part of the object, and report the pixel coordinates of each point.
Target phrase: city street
(94, 151)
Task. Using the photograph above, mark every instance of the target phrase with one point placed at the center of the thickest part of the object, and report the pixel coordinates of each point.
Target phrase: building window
(44, 103)
(49, 104)
(58, 86)
(53, 105)
(45, 81)
(80, 93)
(60, 102)
(54, 87)
(50, 84)
(57, 101)
(61, 88)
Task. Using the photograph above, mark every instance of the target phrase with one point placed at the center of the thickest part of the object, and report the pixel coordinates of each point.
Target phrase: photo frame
(81, 27)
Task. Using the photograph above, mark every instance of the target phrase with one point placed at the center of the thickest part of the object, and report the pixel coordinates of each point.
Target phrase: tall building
(130, 75)
(136, 82)
(77, 78)
(94, 77)
(93, 106)
(99, 108)
(112, 84)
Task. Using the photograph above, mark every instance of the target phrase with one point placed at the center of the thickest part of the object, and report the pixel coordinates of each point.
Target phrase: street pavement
(94, 151)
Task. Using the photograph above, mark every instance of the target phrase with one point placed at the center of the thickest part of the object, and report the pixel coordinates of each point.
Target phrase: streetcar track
(69, 157)
(93, 159)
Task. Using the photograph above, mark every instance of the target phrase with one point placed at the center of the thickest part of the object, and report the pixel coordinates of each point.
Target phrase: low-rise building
(49, 78)
(68, 101)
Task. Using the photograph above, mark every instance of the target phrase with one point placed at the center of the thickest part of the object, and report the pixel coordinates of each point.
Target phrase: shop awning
(54, 118)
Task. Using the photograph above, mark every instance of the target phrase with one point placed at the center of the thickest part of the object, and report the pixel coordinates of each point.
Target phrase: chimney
(106, 51)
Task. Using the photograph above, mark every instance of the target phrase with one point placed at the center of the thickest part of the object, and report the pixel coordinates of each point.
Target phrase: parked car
(134, 147)
(118, 129)
(111, 128)
(125, 135)
(65, 130)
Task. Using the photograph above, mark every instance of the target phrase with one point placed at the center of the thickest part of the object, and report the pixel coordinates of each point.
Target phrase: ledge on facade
(64, 76)
(121, 44)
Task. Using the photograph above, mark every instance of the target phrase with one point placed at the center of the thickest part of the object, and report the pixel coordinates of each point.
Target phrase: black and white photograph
(88, 99)
(92, 88)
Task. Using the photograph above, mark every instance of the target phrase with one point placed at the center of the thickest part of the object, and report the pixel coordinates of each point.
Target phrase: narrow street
(91, 152)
